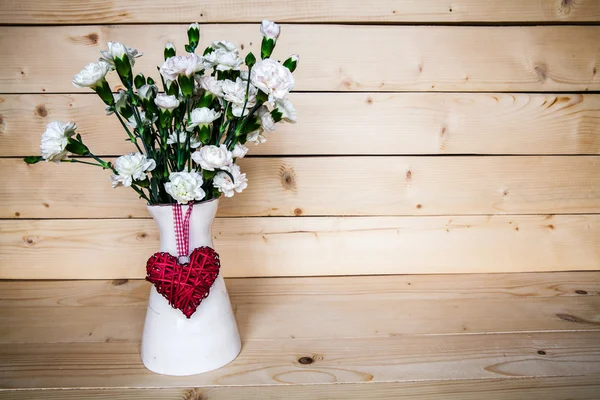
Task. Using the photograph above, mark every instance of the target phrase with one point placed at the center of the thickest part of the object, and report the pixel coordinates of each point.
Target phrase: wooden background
(433, 137)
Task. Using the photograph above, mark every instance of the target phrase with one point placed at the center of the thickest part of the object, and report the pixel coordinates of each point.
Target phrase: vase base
(175, 345)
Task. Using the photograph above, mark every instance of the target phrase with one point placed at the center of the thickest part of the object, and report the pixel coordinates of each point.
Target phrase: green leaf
(208, 50)
(262, 96)
(33, 159)
(188, 48)
(251, 125)
(208, 174)
(150, 81)
(204, 134)
(145, 183)
(250, 60)
(77, 147)
(277, 115)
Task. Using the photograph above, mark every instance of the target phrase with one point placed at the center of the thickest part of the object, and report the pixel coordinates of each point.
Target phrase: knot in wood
(306, 360)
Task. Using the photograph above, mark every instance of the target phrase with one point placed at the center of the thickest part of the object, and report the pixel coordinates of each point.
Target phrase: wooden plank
(317, 186)
(402, 358)
(538, 58)
(143, 11)
(86, 312)
(548, 388)
(404, 123)
(54, 249)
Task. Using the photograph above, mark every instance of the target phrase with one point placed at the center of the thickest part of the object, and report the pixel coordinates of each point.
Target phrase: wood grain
(54, 249)
(403, 123)
(539, 58)
(553, 388)
(274, 362)
(318, 186)
(141, 11)
(87, 312)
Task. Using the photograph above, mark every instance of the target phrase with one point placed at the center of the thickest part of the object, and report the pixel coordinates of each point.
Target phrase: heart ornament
(184, 285)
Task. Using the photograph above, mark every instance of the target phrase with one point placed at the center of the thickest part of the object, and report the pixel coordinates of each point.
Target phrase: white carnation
(185, 186)
(130, 167)
(211, 84)
(119, 50)
(202, 116)
(287, 110)
(121, 102)
(55, 140)
(239, 151)
(146, 92)
(92, 75)
(270, 29)
(181, 65)
(226, 185)
(256, 137)
(224, 57)
(266, 120)
(272, 78)
(166, 102)
(212, 157)
(181, 137)
(235, 92)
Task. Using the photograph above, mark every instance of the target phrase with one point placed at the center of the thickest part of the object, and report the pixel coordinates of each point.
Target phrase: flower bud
(270, 29)
(169, 50)
(292, 62)
(193, 33)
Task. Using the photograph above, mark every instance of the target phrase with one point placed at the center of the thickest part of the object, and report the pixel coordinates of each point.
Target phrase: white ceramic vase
(171, 343)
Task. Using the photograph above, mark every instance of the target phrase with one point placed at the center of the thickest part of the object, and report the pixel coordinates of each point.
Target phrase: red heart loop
(184, 285)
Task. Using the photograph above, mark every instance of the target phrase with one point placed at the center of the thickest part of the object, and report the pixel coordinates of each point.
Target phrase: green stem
(132, 138)
(141, 193)
(74, 160)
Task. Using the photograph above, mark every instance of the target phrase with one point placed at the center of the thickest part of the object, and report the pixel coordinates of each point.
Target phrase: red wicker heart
(184, 285)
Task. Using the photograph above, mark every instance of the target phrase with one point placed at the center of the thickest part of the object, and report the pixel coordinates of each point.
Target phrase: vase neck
(201, 219)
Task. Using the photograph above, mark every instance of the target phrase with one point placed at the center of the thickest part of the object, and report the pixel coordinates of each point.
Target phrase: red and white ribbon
(182, 231)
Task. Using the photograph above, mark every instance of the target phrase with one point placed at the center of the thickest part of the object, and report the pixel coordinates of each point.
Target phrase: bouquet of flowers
(189, 136)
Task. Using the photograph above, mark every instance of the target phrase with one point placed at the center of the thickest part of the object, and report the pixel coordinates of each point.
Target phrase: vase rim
(171, 204)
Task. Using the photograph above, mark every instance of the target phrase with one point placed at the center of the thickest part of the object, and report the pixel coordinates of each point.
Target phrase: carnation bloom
(239, 151)
(224, 57)
(166, 102)
(256, 137)
(92, 75)
(175, 66)
(226, 185)
(270, 29)
(202, 116)
(55, 140)
(266, 120)
(181, 137)
(185, 186)
(130, 167)
(212, 157)
(235, 92)
(212, 85)
(272, 78)
(287, 110)
(119, 50)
